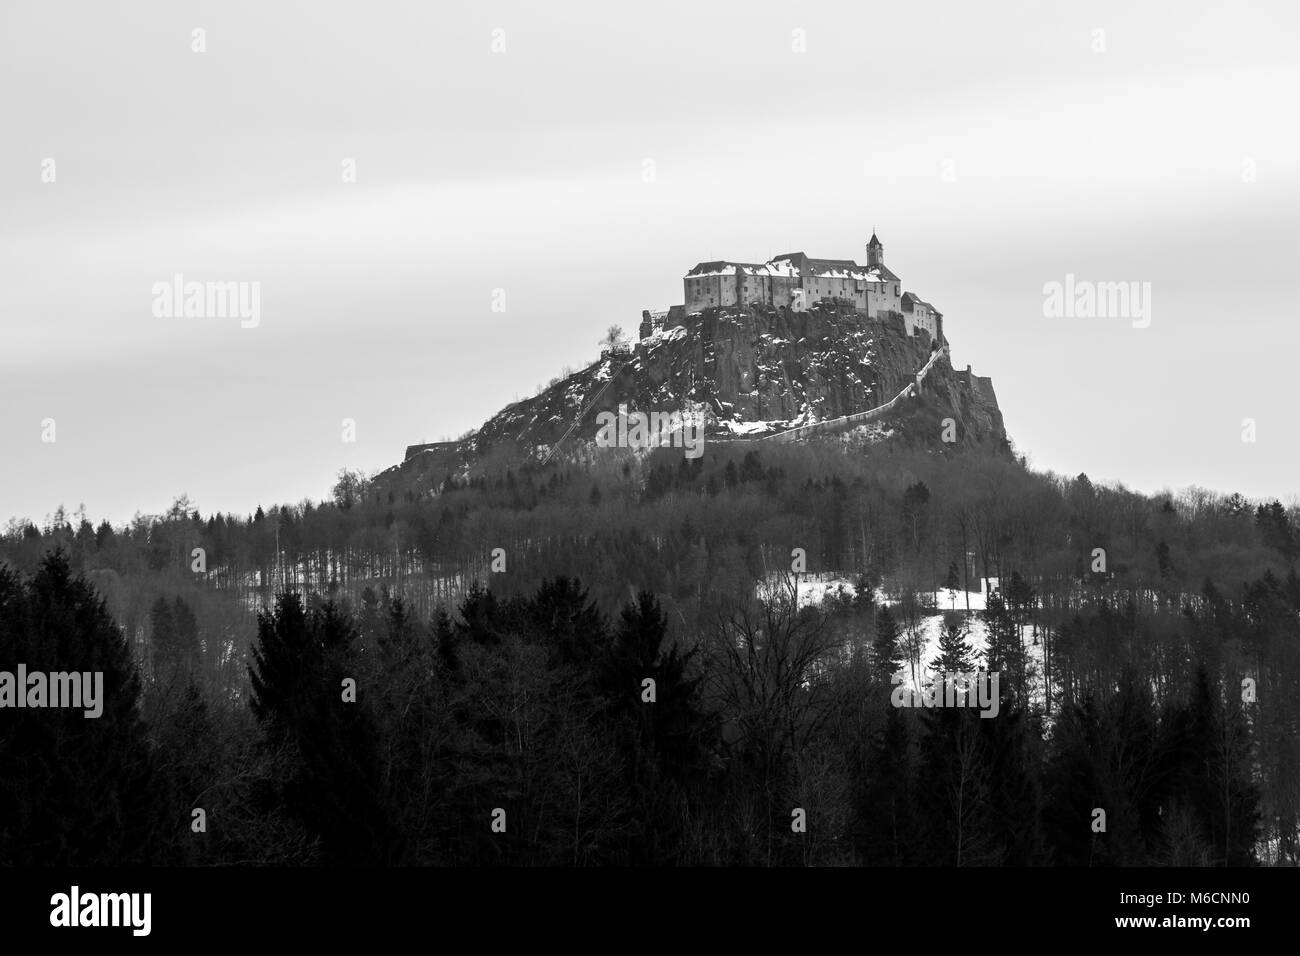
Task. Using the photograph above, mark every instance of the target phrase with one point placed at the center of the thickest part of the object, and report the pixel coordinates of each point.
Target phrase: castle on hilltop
(799, 283)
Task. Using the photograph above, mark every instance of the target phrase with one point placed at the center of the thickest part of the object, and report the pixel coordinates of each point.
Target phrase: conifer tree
(188, 647)
(884, 830)
(670, 732)
(662, 741)
(955, 655)
(162, 627)
(565, 619)
(1004, 653)
(74, 791)
(864, 597)
(299, 665)
(888, 655)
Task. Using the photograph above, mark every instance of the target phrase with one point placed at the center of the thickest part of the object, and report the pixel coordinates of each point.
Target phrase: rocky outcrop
(880, 413)
(753, 373)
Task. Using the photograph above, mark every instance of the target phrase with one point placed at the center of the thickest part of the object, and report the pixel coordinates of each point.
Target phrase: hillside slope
(750, 374)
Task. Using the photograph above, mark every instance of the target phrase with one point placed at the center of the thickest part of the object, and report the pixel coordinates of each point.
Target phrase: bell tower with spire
(875, 251)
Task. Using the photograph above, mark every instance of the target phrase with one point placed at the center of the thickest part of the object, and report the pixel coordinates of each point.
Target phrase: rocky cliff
(751, 374)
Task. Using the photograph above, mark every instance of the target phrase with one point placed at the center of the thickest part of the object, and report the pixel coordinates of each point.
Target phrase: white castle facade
(799, 283)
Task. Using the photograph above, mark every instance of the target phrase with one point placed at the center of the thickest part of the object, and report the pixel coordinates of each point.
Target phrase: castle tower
(875, 251)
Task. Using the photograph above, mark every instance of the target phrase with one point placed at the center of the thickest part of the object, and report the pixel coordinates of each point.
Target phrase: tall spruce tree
(955, 655)
(887, 655)
(660, 728)
(75, 791)
(299, 666)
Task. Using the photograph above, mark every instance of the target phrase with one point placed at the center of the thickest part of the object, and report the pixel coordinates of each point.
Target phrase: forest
(577, 665)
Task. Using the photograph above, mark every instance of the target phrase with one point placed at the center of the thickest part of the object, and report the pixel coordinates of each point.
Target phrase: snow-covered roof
(724, 268)
(713, 269)
(799, 264)
(794, 265)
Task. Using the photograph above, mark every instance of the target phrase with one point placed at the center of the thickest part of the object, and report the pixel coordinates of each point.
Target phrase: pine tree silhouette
(299, 665)
(75, 791)
(888, 657)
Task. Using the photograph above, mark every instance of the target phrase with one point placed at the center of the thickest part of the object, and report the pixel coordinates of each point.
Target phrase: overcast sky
(995, 147)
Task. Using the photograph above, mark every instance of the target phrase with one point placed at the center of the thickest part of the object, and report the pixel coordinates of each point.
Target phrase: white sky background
(523, 170)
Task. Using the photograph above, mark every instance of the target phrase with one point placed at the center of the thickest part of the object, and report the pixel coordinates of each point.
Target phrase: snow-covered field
(813, 589)
(931, 626)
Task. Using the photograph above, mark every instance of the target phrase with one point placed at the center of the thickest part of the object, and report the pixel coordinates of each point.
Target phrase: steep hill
(751, 374)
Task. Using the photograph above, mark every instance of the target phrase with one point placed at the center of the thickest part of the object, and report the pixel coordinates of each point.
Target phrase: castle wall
(706, 292)
(432, 447)
(693, 293)
(877, 301)
(892, 296)
(982, 388)
(743, 288)
(783, 294)
(826, 287)
(774, 285)
(755, 288)
(730, 290)
(920, 318)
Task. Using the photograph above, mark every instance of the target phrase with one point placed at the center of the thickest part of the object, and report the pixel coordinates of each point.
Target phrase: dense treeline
(668, 525)
(526, 694)
(371, 738)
